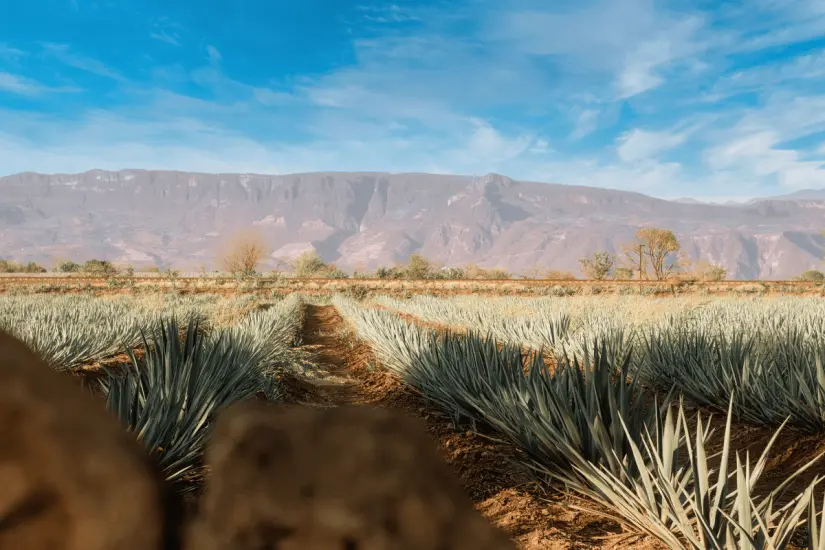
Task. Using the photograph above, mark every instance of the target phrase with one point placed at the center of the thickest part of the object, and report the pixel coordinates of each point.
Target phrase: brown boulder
(71, 478)
(350, 477)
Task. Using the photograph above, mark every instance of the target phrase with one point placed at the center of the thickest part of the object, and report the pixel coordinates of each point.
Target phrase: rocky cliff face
(366, 219)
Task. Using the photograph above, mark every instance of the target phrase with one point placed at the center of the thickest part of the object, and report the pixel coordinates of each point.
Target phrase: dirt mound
(72, 478)
(346, 477)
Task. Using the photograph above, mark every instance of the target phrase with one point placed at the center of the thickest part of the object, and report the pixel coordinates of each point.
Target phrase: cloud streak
(21, 85)
(64, 54)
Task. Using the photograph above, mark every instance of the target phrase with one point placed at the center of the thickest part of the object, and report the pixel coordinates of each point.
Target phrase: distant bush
(812, 275)
(102, 268)
(389, 273)
(8, 266)
(699, 270)
(98, 267)
(598, 266)
(473, 271)
(309, 264)
(560, 290)
(556, 275)
(715, 273)
(358, 292)
(622, 274)
(450, 273)
(418, 267)
(68, 266)
(332, 272)
(498, 273)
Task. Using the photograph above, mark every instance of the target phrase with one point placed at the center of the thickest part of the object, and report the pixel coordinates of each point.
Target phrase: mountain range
(362, 220)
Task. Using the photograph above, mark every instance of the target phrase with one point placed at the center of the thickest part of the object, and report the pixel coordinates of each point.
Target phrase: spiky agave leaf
(269, 335)
(768, 357)
(168, 397)
(69, 331)
(695, 505)
(816, 531)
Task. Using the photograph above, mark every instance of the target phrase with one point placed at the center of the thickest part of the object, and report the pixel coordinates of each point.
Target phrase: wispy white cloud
(585, 123)
(639, 144)
(629, 41)
(64, 54)
(19, 85)
(760, 155)
(789, 115)
(269, 97)
(165, 30)
(641, 68)
(164, 136)
(801, 71)
(757, 146)
(26, 86)
(7, 52)
(645, 177)
(540, 146)
(392, 13)
(163, 36)
(486, 144)
(214, 55)
(771, 23)
(639, 72)
(108, 141)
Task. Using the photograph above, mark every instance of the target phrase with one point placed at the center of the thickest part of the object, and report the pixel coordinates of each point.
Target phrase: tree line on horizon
(653, 255)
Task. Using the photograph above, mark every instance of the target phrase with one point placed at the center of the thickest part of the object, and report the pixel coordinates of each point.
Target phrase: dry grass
(525, 287)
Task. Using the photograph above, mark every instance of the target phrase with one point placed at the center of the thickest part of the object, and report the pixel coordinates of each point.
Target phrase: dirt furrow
(501, 489)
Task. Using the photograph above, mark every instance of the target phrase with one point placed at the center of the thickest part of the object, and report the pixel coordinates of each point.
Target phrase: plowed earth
(502, 490)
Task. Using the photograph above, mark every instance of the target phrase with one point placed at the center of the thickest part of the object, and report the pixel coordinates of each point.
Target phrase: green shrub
(812, 275)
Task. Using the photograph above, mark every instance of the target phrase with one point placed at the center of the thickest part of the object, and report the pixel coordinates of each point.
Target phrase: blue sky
(671, 99)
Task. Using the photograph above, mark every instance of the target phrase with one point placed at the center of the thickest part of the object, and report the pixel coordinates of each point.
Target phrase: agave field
(594, 392)
(606, 416)
(200, 354)
(72, 330)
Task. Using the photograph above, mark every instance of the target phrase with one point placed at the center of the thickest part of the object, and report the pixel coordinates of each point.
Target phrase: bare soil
(503, 490)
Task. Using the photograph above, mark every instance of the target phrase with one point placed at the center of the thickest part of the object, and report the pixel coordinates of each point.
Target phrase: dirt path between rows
(504, 492)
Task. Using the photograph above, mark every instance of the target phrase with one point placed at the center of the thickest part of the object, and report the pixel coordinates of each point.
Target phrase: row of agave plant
(765, 356)
(72, 330)
(196, 360)
(169, 396)
(539, 323)
(767, 360)
(583, 425)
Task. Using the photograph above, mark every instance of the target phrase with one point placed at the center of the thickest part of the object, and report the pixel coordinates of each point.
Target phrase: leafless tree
(243, 251)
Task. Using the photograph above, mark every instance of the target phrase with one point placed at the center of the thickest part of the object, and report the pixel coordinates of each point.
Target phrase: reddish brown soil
(514, 287)
(502, 489)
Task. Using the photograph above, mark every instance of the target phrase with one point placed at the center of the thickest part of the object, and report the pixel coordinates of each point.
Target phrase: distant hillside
(369, 219)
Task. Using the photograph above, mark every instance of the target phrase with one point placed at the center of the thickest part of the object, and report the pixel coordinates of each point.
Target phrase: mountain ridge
(366, 219)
